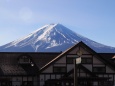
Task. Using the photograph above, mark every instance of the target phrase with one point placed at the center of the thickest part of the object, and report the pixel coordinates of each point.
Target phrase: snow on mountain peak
(45, 29)
(52, 38)
(47, 34)
(48, 26)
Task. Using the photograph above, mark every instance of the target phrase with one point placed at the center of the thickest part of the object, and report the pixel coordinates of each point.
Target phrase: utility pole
(77, 61)
(75, 73)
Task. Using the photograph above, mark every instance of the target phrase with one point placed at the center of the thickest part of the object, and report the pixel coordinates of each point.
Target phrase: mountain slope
(52, 38)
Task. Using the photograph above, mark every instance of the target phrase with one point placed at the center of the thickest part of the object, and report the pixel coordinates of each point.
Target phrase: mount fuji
(52, 38)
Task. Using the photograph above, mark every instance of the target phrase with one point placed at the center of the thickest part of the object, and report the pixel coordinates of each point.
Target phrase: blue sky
(94, 19)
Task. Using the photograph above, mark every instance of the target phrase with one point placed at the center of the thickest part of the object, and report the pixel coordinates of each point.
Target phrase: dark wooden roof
(107, 55)
(9, 64)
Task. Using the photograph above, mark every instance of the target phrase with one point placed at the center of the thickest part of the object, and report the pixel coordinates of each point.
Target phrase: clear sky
(94, 19)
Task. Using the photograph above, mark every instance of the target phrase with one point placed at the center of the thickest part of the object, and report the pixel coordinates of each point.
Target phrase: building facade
(22, 69)
(94, 70)
(57, 69)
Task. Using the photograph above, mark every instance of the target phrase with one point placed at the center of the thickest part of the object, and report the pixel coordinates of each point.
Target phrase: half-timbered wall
(90, 60)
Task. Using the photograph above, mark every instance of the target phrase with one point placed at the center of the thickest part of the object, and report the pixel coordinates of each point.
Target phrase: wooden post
(75, 73)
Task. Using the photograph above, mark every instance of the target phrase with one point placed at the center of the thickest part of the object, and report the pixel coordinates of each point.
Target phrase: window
(106, 83)
(59, 69)
(27, 83)
(24, 59)
(87, 60)
(99, 69)
(70, 61)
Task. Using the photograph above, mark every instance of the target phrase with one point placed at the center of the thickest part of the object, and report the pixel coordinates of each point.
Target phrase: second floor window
(24, 59)
(99, 69)
(70, 60)
(87, 61)
(59, 69)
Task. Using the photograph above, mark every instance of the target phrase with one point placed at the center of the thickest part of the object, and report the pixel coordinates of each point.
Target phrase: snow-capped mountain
(52, 38)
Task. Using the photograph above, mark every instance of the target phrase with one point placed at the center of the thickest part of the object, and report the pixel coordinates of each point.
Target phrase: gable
(79, 48)
(88, 55)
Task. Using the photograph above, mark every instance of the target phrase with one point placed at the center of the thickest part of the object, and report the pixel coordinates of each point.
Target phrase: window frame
(55, 70)
(70, 60)
(24, 60)
(85, 60)
(99, 69)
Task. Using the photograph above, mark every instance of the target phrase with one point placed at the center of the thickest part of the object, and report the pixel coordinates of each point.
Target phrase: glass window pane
(59, 69)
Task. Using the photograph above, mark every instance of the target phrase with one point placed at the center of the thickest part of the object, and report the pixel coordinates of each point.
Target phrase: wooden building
(95, 69)
(57, 69)
(22, 69)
